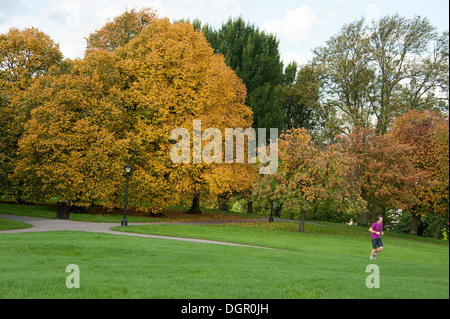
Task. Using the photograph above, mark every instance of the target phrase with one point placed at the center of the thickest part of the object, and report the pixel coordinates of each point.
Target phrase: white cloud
(297, 24)
(226, 3)
(294, 56)
(69, 22)
(299, 29)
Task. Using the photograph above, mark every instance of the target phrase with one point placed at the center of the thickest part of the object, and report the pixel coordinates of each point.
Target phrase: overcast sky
(300, 25)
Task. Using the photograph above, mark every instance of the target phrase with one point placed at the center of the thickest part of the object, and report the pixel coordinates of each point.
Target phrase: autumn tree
(120, 106)
(25, 56)
(427, 133)
(73, 147)
(308, 176)
(384, 170)
(439, 168)
(212, 94)
(120, 30)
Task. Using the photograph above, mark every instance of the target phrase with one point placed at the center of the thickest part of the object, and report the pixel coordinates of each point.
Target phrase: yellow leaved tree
(25, 56)
(120, 106)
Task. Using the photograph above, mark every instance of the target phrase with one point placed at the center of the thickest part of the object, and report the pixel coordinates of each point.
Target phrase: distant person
(376, 230)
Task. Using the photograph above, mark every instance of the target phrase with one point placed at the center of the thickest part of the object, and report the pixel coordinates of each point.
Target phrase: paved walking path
(47, 224)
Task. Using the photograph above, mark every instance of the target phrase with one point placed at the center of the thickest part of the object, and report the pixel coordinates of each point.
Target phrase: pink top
(378, 228)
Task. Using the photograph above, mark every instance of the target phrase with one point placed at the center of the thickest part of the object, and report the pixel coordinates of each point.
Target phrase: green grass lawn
(50, 212)
(6, 224)
(323, 262)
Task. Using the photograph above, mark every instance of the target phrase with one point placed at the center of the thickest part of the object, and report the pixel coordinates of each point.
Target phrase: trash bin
(62, 210)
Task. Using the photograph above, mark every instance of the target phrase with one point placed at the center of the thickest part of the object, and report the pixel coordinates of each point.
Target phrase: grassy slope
(408, 268)
(310, 265)
(323, 262)
(6, 224)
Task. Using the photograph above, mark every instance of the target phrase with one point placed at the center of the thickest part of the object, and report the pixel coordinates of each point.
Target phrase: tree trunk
(415, 224)
(222, 202)
(277, 211)
(195, 209)
(363, 219)
(249, 207)
(302, 221)
(384, 215)
(373, 210)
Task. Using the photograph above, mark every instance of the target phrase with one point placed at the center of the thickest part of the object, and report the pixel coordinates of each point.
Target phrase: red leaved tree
(308, 175)
(385, 171)
(427, 132)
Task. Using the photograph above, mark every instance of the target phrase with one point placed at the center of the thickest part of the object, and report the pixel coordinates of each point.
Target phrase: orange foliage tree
(176, 67)
(121, 30)
(25, 56)
(118, 106)
(427, 132)
(384, 170)
(309, 175)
